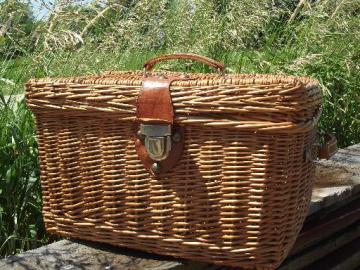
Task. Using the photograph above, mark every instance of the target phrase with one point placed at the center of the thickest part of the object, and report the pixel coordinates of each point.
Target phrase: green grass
(21, 225)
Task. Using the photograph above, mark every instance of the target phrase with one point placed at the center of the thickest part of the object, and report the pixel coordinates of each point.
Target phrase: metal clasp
(157, 140)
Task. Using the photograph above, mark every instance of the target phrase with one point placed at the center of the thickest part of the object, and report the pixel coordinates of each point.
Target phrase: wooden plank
(345, 258)
(336, 180)
(317, 230)
(332, 197)
(71, 255)
(322, 249)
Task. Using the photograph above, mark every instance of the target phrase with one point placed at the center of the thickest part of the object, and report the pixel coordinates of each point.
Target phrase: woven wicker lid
(251, 101)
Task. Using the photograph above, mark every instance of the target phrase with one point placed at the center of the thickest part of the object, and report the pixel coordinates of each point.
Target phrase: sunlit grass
(21, 226)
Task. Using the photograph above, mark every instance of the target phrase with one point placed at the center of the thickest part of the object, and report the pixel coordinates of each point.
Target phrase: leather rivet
(155, 167)
(176, 137)
(140, 135)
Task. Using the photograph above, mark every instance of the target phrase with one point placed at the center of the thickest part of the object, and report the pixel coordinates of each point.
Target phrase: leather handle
(329, 147)
(148, 66)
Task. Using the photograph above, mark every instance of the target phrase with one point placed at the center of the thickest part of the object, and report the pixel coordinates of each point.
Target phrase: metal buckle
(157, 140)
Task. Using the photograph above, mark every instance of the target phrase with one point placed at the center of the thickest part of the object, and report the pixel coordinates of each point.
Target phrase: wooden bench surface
(333, 222)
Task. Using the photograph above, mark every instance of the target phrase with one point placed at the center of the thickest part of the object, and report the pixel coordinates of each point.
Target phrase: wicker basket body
(239, 194)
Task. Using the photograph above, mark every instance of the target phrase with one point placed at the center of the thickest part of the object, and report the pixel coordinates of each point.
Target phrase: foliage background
(318, 38)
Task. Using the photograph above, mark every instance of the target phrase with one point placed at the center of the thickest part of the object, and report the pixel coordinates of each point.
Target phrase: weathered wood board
(72, 255)
(337, 179)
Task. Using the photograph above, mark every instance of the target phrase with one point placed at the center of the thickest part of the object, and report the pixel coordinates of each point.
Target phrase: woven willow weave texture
(239, 194)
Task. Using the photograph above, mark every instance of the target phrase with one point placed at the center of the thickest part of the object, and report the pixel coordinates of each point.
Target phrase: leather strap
(148, 66)
(329, 147)
(154, 105)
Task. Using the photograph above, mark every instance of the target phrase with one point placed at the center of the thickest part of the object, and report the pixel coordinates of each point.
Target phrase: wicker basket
(237, 194)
